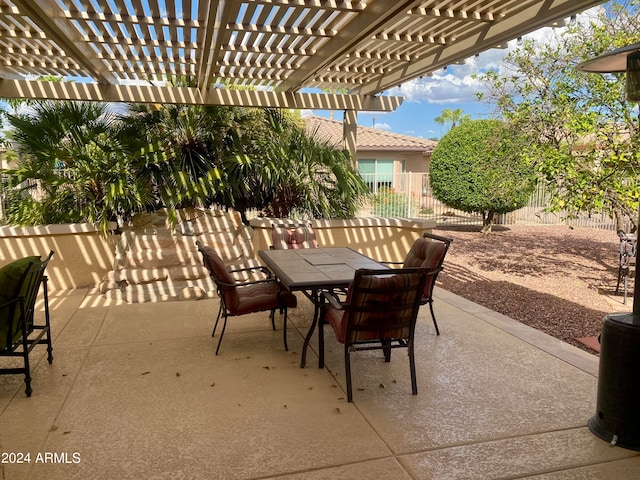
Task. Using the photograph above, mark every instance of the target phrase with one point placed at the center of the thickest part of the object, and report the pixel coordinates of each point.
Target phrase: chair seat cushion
(261, 296)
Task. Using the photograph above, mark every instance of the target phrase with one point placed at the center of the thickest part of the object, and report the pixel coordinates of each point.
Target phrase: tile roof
(367, 138)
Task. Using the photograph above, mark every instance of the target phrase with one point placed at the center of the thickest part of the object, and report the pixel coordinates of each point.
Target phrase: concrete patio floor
(136, 392)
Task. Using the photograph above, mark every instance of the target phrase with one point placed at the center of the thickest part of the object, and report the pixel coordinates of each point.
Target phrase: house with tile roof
(383, 158)
(408, 154)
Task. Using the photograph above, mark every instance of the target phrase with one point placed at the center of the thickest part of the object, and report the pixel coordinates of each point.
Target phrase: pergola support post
(349, 135)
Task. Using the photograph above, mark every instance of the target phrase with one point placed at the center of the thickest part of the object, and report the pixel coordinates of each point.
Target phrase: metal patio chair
(287, 236)
(379, 312)
(240, 297)
(427, 251)
(19, 331)
(627, 260)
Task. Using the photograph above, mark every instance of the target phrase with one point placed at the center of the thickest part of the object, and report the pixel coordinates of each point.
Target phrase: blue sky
(451, 88)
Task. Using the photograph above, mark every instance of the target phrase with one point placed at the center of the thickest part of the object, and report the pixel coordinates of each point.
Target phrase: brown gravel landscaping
(557, 279)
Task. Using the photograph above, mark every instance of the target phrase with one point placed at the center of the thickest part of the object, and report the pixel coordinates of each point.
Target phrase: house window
(377, 173)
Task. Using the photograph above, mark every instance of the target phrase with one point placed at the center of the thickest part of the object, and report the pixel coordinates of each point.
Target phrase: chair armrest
(390, 263)
(333, 300)
(11, 302)
(247, 274)
(244, 284)
(261, 269)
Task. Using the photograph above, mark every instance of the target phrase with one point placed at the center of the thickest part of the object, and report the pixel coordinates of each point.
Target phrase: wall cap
(54, 229)
(417, 223)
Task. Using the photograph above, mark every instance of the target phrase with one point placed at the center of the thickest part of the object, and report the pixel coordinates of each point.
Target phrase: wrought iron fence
(410, 195)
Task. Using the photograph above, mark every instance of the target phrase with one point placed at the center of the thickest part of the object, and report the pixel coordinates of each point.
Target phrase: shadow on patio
(135, 391)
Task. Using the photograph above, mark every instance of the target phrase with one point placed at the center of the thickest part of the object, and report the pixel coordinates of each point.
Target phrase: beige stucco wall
(84, 258)
(417, 162)
(82, 255)
(386, 239)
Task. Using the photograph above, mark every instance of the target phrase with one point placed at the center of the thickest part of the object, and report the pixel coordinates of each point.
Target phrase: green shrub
(389, 203)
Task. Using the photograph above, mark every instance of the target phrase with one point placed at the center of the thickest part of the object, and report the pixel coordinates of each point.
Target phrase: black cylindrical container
(617, 418)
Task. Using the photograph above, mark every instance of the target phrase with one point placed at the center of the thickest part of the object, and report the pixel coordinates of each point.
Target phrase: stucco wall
(82, 255)
(380, 238)
(84, 258)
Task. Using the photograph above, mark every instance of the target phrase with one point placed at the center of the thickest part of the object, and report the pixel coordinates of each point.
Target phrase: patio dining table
(312, 270)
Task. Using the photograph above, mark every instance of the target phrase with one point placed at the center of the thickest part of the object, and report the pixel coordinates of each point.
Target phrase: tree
(300, 175)
(477, 168)
(454, 117)
(191, 145)
(580, 132)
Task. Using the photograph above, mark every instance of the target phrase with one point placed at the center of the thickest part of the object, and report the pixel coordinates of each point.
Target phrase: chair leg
(321, 343)
(619, 278)
(27, 380)
(47, 321)
(284, 329)
(224, 326)
(213, 334)
(272, 316)
(433, 316)
(386, 348)
(347, 373)
(27, 367)
(412, 367)
(49, 346)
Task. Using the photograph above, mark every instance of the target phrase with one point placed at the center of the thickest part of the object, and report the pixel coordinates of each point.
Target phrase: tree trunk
(487, 221)
(619, 220)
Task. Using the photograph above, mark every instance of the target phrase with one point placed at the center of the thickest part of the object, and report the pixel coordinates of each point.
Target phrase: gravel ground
(554, 278)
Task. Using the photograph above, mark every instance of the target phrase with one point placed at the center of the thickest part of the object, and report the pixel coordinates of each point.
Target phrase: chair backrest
(428, 252)
(628, 249)
(220, 275)
(21, 282)
(383, 304)
(284, 237)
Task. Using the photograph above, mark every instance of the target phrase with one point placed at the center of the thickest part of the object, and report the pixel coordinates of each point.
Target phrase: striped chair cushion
(369, 314)
(427, 254)
(246, 298)
(262, 296)
(284, 238)
(219, 272)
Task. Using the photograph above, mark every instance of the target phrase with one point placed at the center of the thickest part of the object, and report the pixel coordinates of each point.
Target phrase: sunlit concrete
(135, 391)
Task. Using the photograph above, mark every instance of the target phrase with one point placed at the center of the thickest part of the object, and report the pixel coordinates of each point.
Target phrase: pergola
(300, 54)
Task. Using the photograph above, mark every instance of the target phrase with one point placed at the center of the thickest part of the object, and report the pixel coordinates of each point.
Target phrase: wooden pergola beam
(193, 96)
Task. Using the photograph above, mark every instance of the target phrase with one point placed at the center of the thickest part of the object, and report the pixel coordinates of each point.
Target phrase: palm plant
(300, 175)
(454, 117)
(76, 165)
(81, 162)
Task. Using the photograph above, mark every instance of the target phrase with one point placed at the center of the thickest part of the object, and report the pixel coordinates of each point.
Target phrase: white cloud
(450, 86)
(382, 126)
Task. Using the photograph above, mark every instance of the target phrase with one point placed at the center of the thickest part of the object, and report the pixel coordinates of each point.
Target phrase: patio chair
(19, 333)
(627, 260)
(246, 296)
(379, 312)
(284, 237)
(428, 251)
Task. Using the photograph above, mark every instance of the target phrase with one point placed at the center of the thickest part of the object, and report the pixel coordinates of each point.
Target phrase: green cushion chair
(19, 287)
